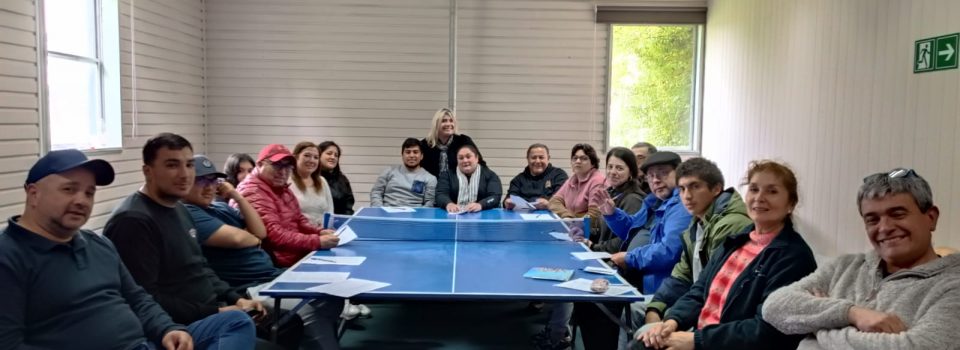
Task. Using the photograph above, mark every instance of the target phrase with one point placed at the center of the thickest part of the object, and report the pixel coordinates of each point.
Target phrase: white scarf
(468, 188)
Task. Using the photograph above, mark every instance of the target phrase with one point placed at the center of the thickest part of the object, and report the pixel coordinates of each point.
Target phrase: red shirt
(723, 281)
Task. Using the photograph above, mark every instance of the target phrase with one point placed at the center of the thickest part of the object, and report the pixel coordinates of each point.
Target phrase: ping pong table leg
(275, 329)
(624, 323)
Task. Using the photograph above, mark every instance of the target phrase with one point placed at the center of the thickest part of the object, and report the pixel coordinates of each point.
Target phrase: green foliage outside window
(652, 79)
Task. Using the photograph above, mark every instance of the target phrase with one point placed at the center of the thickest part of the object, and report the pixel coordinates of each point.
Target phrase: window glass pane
(74, 104)
(71, 27)
(652, 75)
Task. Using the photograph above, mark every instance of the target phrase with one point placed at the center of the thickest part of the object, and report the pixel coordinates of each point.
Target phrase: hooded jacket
(725, 217)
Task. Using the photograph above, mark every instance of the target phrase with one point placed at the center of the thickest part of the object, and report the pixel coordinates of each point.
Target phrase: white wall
(169, 60)
(369, 73)
(828, 87)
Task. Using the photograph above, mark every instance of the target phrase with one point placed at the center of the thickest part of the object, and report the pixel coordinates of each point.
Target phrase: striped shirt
(722, 283)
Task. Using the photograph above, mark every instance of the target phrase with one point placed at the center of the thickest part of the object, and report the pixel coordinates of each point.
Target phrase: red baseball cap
(274, 152)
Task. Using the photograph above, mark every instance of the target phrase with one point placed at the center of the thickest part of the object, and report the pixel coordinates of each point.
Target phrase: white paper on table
(521, 203)
(600, 270)
(335, 260)
(590, 255)
(349, 288)
(533, 216)
(563, 236)
(398, 209)
(583, 284)
(346, 235)
(313, 276)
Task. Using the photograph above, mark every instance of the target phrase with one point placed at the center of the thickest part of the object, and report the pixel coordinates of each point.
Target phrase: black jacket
(488, 195)
(787, 259)
(431, 155)
(531, 187)
(340, 190)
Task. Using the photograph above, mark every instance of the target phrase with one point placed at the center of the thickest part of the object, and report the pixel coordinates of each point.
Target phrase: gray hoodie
(926, 298)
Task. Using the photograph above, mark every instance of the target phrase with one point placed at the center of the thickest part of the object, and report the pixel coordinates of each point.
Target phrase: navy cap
(63, 160)
(662, 157)
(205, 167)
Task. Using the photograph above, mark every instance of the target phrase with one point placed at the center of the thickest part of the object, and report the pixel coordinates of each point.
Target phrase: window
(654, 80)
(81, 67)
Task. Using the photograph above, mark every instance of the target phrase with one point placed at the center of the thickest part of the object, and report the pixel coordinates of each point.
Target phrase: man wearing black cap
(652, 238)
(78, 293)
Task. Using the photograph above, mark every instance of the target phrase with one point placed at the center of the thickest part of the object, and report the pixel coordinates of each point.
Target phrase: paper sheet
(312, 277)
(346, 235)
(349, 288)
(563, 236)
(600, 270)
(335, 260)
(590, 255)
(521, 203)
(533, 216)
(583, 284)
(398, 209)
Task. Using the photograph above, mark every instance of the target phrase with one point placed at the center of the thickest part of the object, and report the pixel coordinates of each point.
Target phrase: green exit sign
(938, 53)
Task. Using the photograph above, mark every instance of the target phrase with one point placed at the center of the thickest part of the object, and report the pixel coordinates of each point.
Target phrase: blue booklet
(549, 273)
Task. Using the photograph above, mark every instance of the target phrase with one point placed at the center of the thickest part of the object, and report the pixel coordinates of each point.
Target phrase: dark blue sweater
(71, 296)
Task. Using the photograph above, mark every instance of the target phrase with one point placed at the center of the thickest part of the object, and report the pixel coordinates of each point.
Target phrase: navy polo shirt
(76, 295)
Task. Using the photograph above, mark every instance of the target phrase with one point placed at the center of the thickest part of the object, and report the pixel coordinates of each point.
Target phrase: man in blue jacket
(652, 237)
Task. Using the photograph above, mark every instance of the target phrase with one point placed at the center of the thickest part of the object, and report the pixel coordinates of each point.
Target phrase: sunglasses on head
(895, 174)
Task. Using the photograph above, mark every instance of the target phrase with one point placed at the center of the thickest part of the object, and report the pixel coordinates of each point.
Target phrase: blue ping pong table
(455, 257)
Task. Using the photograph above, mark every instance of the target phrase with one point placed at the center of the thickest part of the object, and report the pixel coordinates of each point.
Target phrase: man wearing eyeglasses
(290, 235)
(231, 240)
(900, 295)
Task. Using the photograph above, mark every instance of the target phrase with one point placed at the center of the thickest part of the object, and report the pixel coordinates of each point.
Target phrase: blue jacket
(657, 258)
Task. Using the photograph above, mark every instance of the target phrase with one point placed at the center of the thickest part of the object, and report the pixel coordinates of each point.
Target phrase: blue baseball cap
(60, 161)
(205, 167)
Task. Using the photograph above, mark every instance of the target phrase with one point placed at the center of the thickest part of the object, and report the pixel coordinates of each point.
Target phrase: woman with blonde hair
(442, 143)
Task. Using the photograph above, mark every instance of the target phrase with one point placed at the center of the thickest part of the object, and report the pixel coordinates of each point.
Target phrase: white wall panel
(368, 74)
(828, 87)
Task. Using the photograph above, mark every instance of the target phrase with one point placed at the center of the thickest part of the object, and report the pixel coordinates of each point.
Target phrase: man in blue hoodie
(652, 237)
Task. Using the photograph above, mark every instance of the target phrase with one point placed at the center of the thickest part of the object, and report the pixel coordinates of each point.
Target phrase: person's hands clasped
(177, 340)
(656, 336)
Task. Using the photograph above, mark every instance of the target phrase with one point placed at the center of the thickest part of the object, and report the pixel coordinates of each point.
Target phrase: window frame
(696, 125)
(107, 27)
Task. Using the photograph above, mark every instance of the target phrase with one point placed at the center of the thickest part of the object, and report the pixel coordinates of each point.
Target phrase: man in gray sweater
(900, 295)
(407, 185)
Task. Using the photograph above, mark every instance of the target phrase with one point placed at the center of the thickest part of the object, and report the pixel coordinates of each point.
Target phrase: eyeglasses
(280, 166)
(580, 158)
(662, 174)
(208, 181)
(895, 174)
